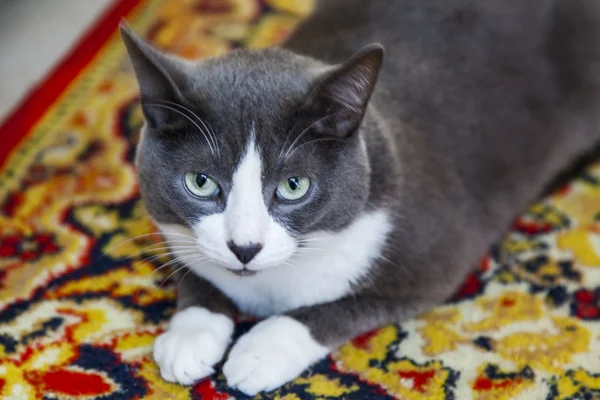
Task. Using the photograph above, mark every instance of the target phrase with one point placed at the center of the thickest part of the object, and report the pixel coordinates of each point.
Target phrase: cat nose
(244, 253)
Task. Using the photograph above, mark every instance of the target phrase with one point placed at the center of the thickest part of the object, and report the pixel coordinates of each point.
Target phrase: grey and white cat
(295, 188)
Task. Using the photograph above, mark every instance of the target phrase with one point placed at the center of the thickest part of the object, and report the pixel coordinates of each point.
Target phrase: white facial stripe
(246, 215)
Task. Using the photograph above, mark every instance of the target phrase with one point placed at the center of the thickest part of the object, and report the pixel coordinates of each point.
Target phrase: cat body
(333, 192)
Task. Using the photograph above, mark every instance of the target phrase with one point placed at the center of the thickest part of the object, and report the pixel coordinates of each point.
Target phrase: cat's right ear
(159, 77)
(340, 98)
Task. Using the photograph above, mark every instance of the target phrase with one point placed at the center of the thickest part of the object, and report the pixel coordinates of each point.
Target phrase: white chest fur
(321, 275)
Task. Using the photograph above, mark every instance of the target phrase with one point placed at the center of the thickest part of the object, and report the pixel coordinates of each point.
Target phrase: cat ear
(342, 95)
(159, 76)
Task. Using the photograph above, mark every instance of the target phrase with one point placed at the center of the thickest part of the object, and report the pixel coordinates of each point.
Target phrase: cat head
(253, 153)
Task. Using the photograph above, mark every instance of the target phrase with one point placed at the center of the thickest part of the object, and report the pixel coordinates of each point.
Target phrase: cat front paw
(195, 341)
(273, 353)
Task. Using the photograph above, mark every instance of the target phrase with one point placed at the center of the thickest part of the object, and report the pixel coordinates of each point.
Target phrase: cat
(331, 189)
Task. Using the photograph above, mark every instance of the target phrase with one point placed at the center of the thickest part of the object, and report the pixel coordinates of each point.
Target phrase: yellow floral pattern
(82, 300)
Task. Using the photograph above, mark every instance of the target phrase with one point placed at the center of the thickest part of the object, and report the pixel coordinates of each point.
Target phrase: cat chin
(243, 272)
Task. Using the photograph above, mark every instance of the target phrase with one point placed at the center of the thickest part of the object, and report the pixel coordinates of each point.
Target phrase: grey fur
(478, 105)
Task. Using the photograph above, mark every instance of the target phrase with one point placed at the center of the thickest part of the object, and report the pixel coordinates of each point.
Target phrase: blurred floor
(34, 34)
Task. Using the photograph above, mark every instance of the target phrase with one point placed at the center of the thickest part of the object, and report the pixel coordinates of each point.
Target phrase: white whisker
(143, 236)
(309, 240)
(168, 247)
(185, 265)
(156, 257)
(209, 131)
(287, 137)
(205, 134)
(181, 280)
(165, 246)
(313, 141)
(153, 249)
(171, 274)
(289, 150)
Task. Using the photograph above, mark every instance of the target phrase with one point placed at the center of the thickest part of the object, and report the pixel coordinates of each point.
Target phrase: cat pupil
(201, 180)
(293, 183)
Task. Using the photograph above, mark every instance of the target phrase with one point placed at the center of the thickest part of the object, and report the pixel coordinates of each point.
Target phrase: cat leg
(198, 334)
(280, 348)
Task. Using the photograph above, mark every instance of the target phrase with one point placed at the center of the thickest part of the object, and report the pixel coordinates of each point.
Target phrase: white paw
(195, 341)
(274, 352)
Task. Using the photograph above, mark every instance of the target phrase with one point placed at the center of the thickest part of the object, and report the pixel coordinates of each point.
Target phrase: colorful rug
(80, 304)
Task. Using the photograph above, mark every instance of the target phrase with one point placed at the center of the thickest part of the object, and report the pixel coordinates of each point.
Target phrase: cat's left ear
(340, 98)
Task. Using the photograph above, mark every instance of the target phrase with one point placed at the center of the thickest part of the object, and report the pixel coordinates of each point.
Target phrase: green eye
(293, 188)
(201, 185)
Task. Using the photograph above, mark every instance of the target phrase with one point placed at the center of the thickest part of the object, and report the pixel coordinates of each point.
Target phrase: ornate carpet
(80, 304)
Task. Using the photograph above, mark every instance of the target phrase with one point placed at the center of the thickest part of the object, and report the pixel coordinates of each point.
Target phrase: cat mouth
(243, 272)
